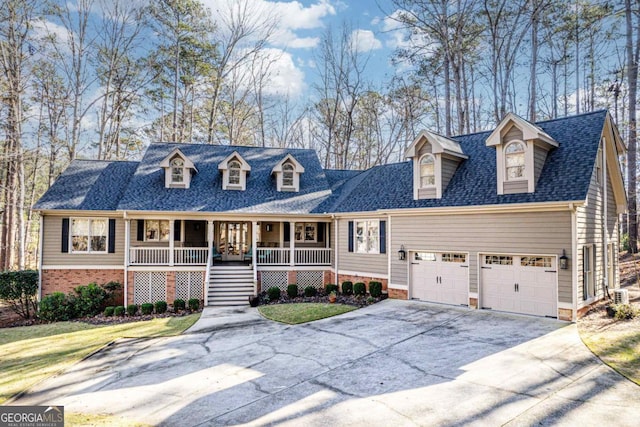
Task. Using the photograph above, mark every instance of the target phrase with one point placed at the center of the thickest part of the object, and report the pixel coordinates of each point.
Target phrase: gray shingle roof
(147, 190)
(89, 185)
(565, 176)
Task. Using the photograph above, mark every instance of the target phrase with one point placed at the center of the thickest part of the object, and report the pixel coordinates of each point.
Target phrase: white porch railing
(273, 256)
(160, 256)
(313, 256)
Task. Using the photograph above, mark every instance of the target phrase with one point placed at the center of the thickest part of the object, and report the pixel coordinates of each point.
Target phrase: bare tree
(632, 18)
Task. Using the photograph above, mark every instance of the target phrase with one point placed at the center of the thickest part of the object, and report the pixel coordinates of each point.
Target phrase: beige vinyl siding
(513, 187)
(513, 134)
(532, 233)
(52, 247)
(539, 157)
(613, 228)
(426, 148)
(590, 230)
(427, 193)
(356, 262)
(448, 169)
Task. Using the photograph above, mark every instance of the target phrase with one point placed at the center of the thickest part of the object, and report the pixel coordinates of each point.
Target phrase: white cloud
(364, 41)
(282, 76)
(287, 38)
(399, 37)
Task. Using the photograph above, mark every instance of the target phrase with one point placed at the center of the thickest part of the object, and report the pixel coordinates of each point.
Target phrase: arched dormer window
(287, 175)
(514, 160)
(234, 172)
(177, 170)
(427, 171)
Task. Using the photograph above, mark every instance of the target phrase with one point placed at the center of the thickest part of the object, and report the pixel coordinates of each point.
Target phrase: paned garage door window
(536, 261)
(498, 260)
(459, 258)
(425, 256)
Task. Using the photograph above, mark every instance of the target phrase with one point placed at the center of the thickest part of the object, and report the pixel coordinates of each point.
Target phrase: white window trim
(524, 152)
(293, 176)
(592, 271)
(435, 180)
(376, 249)
(172, 167)
(501, 166)
(158, 239)
(88, 251)
(304, 232)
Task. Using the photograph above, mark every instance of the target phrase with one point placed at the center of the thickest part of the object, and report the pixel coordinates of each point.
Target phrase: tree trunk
(632, 75)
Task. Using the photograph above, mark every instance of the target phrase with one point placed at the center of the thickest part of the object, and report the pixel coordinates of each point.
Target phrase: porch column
(127, 254)
(171, 237)
(254, 253)
(292, 243)
(210, 234)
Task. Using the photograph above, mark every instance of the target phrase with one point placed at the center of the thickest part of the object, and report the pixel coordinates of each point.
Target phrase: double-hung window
(287, 175)
(306, 232)
(177, 170)
(588, 283)
(88, 235)
(156, 231)
(514, 159)
(367, 236)
(427, 171)
(234, 172)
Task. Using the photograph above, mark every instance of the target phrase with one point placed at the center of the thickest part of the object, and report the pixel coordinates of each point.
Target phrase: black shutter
(112, 236)
(65, 235)
(383, 237)
(176, 230)
(320, 232)
(350, 236)
(140, 233)
(287, 231)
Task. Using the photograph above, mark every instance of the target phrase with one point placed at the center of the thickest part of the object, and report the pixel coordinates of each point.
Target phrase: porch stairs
(230, 285)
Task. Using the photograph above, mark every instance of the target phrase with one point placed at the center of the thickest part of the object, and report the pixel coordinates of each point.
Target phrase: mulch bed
(354, 300)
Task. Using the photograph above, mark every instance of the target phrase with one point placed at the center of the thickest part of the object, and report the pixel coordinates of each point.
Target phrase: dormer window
(287, 172)
(514, 160)
(234, 172)
(178, 169)
(427, 171)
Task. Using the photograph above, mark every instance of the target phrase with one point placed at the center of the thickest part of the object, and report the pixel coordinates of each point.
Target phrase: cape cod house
(522, 219)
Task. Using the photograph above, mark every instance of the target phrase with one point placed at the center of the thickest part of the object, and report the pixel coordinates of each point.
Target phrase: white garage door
(520, 284)
(440, 277)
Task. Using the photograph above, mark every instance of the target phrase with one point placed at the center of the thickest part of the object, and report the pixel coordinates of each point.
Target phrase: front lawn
(619, 349)
(293, 314)
(28, 354)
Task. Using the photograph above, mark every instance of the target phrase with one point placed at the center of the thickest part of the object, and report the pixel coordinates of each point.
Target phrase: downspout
(40, 252)
(574, 262)
(605, 218)
(389, 246)
(127, 250)
(335, 250)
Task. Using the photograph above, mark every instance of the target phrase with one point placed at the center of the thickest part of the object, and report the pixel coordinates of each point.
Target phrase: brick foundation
(364, 279)
(65, 281)
(398, 294)
(171, 286)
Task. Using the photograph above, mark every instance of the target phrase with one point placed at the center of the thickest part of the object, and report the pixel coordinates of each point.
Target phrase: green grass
(293, 314)
(29, 354)
(618, 349)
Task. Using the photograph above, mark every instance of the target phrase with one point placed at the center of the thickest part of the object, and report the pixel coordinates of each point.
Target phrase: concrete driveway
(395, 363)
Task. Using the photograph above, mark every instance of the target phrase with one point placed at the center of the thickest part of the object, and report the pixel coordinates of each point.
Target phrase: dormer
(234, 172)
(521, 150)
(178, 169)
(288, 171)
(435, 159)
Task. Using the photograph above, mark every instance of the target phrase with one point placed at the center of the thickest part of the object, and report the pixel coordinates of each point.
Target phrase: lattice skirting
(270, 279)
(310, 278)
(149, 286)
(189, 284)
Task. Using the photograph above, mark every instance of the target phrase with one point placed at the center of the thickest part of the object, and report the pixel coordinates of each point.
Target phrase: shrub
(108, 311)
(146, 308)
(331, 288)
(161, 307)
(111, 288)
(254, 301)
(347, 287)
(119, 311)
(89, 299)
(359, 288)
(310, 291)
(19, 289)
(179, 304)
(56, 307)
(624, 311)
(375, 289)
(624, 242)
(292, 290)
(194, 304)
(273, 293)
(370, 300)
(132, 309)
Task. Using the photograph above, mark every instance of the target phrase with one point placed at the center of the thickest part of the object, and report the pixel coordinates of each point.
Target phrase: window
(306, 232)
(535, 261)
(156, 231)
(287, 175)
(498, 260)
(177, 170)
(89, 235)
(424, 256)
(458, 258)
(367, 237)
(599, 167)
(234, 172)
(427, 171)
(588, 284)
(514, 160)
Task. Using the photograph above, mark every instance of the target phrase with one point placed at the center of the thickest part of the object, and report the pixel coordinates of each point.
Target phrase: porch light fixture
(564, 261)
(402, 254)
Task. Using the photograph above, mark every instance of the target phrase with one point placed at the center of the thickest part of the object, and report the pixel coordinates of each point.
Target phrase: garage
(525, 284)
(440, 277)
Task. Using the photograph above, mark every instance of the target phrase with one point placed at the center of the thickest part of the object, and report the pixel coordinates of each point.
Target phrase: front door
(233, 240)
